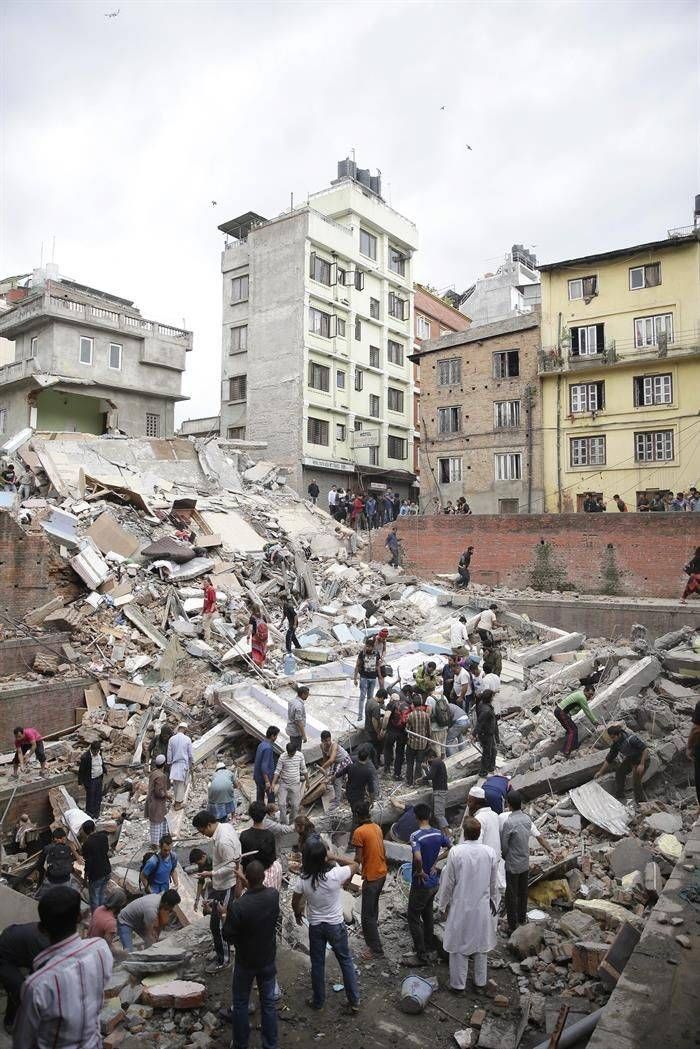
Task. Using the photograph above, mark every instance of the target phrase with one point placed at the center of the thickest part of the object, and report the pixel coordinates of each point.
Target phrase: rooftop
(671, 241)
(480, 334)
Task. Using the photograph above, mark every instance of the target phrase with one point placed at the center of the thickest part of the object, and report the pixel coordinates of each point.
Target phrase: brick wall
(31, 571)
(17, 655)
(47, 706)
(33, 798)
(634, 554)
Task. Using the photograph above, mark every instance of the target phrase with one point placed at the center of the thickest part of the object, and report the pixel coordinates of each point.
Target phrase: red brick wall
(635, 554)
(33, 798)
(47, 707)
(31, 572)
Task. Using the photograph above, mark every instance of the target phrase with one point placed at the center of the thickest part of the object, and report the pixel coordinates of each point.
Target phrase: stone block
(477, 1017)
(629, 855)
(587, 956)
(669, 847)
(664, 822)
(176, 994)
(653, 881)
(618, 955)
(526, 940)
(578, 926)
(611, 915)
(111, 1015)
(116, 983)
(115, 1039)
(118, 718)
(465, 1038)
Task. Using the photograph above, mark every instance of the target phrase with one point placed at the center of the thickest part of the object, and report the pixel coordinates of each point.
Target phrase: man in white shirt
(488, 681)
(486, 622)
(465, 684)
(332, 496)
(225, 858)
(291, 771)
(62, 999)
(459, 636)
(180, 758)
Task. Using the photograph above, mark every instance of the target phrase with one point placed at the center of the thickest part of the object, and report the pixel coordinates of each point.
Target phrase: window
(236, 433)
(342, 276)
(397, 448)
(152, 424)
(509, 466)
(374, 308)
(449, 372)
(449, 420)
(586, 396)
(583, 288)
(33, 346)
(358, 424)
(645, 276)
(648, 329)
(508, 506)
(3, 419)
(239, 288)
(340, 326)
(340, 380)
(374, 406)
(358, 329)
(587, 451)
(422, 327)
(374, 357)
(588, 341)
(394, 352)
(374, 456)
(317, 431)
(654, 446)
(652, 389)
(368, 244)
(319, 322)
(359, 280)
(237, 388)
(340, 432)
(397, 261)
(359, 378)
(506, 414)
(85, 350)
(449, 470)
(398, 307)
(319, 377)
(239, 339)
(506, 364)
(320, 269)
(115, 357)
(395, 399)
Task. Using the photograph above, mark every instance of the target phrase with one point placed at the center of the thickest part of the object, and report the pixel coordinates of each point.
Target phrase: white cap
(221, 765)
(182, 724)
(160, 760)
(477, 792)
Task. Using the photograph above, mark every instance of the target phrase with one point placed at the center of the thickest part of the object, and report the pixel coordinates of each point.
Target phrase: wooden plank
(142, 624)
(93, 697)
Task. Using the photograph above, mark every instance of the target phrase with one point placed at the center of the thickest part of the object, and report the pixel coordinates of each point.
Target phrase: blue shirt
(264, 762)
(495, 789)
(428, 842)
(158, 870)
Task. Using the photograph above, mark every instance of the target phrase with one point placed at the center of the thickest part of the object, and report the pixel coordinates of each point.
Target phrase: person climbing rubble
(569, 705)
(635, 759)
(180, 758)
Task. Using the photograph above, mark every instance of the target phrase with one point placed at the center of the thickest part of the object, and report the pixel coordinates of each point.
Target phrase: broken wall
(47, 706)
(649, 550)
(31, 572)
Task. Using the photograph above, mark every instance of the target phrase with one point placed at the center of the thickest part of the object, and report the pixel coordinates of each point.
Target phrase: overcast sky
(117, 133)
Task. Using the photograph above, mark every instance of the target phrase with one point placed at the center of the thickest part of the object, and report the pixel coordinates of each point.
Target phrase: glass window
(397, 448)
(85, 350)
(3, 419)
(340, 432)
(586, 396)
(508, 466)
(397, 261)
(583, 288)
(395, 399)
(648, 329)
(422, 327)
(587, 451)
(340, 326)
(374, 357)
(653, 389)
(506, 414)
(394, 352)
(239, 288)
(317, 431)
(374, 456)
(33, 346)
(450, 470)
(239, 338)
(449, 420)
(654, 446)
(358, 330)
(320, 269)
(506, 364)
(359, 378)
(374, 308)
(340, 379)
(398, 307)
(152, 424)
(319, 322)
(645, 276)
(319, 377)
(115, 356)
(236, 433)
(449, 372)
(374, 406)
(237, 387)
(368, 244)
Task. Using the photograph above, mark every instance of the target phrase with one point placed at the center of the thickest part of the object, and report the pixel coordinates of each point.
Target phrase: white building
(317, 328)
(514, 289)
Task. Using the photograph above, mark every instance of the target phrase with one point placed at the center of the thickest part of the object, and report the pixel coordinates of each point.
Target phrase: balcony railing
(17, 370)
(553, 359)
(99, 316)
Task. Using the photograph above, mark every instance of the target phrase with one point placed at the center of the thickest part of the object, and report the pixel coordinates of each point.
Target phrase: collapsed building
(101, 613)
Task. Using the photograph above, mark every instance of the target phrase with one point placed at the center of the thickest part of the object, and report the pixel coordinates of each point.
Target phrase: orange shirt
(369, 837)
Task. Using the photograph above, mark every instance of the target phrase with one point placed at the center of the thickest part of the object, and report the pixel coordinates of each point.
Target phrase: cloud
(117, 134)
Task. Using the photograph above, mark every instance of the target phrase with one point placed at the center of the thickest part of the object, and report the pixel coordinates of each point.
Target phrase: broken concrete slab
(598, 807)
(176, 994)
(610, 914)
(109, 536)
(90, 566)
(669, 846)
(578, 926)
(141, 623)
(664, 822)
(629, 856)
(618, 954)
(16, 907)
(530, 657)
(653, 880)
(557, 777)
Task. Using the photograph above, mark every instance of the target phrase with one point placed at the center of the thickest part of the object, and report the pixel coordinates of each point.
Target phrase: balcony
(617, 353)
(71, 310)
(17, 370)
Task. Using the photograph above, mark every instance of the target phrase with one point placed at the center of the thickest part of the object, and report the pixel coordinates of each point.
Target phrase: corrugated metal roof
(601, 808)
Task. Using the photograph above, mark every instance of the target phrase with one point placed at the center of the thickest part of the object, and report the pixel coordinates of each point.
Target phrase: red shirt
(209, 599)
(30, 736)
(102, 923)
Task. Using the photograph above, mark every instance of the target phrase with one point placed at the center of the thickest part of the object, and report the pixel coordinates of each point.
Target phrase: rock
(611, 914)
(176, 994)
(117, 718)
(477, 1017)
(629, 855)
(115, 1039)
(117, 981)
(111, 1016)
(500, 1001)
(466, 1038)
(664, 822)
(526, 940)
(578, 926)
(575, 880)
(684, 941)
(669, 847)
(653, 882)
(587, 956)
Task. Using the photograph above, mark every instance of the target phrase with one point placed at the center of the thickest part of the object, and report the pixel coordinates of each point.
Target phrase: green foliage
(548, 573)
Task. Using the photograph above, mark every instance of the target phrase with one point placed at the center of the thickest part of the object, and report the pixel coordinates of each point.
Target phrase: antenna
(353, 154)
(291, 202)
(41, 258)
(53, 248)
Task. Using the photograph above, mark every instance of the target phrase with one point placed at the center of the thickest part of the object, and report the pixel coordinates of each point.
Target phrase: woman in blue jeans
(318, 889)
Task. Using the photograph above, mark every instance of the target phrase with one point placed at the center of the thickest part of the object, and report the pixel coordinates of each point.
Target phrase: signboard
(325, 464)
(364, 438)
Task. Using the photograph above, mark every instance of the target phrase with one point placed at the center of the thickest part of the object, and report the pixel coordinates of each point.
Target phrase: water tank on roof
(347, 168)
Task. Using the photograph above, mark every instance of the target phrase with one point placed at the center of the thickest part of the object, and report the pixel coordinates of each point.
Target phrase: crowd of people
(658, 502)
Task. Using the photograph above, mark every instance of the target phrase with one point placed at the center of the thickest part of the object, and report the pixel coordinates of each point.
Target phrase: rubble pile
(139, 525)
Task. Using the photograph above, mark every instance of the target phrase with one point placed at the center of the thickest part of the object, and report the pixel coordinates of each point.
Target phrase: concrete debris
(118, 649)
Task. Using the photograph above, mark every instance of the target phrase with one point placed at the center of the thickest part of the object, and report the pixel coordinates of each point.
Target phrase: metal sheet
(601, 808)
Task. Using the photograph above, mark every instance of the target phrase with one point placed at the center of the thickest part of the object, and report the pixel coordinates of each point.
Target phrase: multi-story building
(87, 361)
(514, 289)
(317, 332)
(209, 426)
(481, 432)
(620, 371)
(433, 318)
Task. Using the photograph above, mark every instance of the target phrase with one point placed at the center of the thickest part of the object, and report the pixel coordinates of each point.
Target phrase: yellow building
(620, 371)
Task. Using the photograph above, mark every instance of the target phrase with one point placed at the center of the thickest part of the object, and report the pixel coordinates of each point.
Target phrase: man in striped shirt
(291, 770)
(62, 999)
(419, 737)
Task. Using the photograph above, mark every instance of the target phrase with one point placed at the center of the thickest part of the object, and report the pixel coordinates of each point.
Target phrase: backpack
(399, 716)
(442, 712)
(59, 862)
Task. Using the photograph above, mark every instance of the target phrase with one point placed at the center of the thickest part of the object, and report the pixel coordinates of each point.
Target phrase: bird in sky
(469, 148)
(213, 203)
(112, 14)
(441, 108)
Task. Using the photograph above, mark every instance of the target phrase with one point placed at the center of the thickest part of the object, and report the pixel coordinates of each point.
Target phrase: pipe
(570, 1035)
